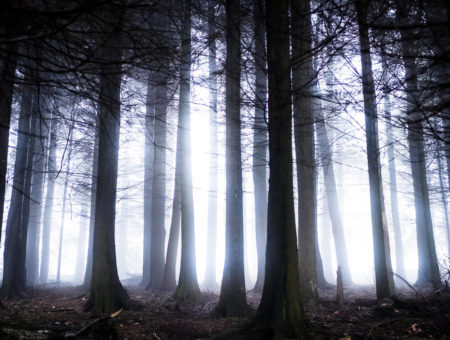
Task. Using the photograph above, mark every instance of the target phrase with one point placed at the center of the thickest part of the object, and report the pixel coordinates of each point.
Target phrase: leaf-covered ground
(56, 312)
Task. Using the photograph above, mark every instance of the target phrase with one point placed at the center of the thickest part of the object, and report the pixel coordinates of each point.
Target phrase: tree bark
(187, 288)
(260, 141)
(232, 300)
(210, 276)
(63, 213)
(7, 79)
(280, 313)
(383, 268)
(48, 209)
(428, 271)
(14, 275)
(37, 191)
(169, 283)
(148, 179)
(106, 292)
(302, 70)
(93, 195)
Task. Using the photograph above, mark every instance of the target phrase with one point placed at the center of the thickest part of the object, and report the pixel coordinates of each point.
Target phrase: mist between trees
(226, 146)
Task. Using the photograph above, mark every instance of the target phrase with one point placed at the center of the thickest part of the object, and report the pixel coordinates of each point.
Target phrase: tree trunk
(304, 147)
(210, 276)
(14, 275)
(333, 201)
(7, 78)
(148, 179)
(37, 192)
(280, 313)
(260, 141)
(232, 300)
(399, 257)
(428, 271)
(443, 198)
(63, 213)
(93, 196)
(169, 283)
(383, 268)
(106, 292)
(187, 288)
(81, 250)
(48, 209)
(158, 211)
(122, 244)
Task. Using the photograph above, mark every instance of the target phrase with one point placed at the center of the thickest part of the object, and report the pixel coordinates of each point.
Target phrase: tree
(148, 178)
(428, 264)
(302, 75)
(232, 300)
(383, 269)
(260, 141)
(48, 209)
(187, 288)
(106, 292)
(14, 274)
(280, 313)
(210, 276)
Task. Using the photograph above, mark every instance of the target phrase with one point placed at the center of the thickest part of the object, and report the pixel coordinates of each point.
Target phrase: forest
(226, 169)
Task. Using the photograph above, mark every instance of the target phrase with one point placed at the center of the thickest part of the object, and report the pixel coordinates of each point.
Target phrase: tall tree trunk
(260, 141)
(302, 70)
(399, 257)
(37, 191)
(333, 202)
(7, 78)
(93, 196)
(107, 293)
(148, 178)
(280, 311)
(428, 271)
(210, 276)
(232, 300)
(81, 249)
(14, 275)
(48, 209)
(122, 245)
(169, 283)
(187, 288)
(63, 213)
(443, 198)
(383, 268)
(158, 211)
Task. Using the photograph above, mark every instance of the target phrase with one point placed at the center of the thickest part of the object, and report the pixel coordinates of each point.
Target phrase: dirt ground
(56, 312)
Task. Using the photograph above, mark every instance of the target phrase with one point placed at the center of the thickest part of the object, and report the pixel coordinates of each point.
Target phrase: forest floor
(55, 312)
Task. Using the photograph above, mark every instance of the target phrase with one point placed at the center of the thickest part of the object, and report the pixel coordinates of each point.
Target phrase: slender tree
(383, 268)
(232, 300)
(428, 264)
(302, 74)
(82, 235)
(260, 141)
(14, 275)
(148, 178)
(187, 288)
(210, 276)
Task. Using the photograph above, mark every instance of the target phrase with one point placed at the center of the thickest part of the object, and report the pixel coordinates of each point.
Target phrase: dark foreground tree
(383, 268)
(106, 292)
(302, 74)
(187, 288)
(280, 313)
(232, 300)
